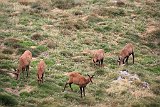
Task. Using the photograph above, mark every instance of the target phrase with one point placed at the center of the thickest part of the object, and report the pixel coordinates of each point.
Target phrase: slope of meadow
(58, 31)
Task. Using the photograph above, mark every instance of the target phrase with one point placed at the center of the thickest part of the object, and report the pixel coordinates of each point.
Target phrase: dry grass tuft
(7, 51)
(110, 12)
(88, 41)
(52, 44)
(141, 93)
(4, 56)
(156, 89)
(36, 36)
(27, 89)
(65, 32)
(12, 42)
(66, 4)
(26, 2)
(72, 24)
(92, 18)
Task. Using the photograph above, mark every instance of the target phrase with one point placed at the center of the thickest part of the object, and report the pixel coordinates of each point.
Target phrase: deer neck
(87, 80)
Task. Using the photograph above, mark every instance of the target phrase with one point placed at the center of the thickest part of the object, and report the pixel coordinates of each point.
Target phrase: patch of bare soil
(7, 72)
(17, 92)
(141, 93)
(12, 75)
(152, 27)
(27, 88)
(12, 91)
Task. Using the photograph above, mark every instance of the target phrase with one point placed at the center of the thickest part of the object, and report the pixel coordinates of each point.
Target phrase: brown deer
(98, 55)
(40, 72)
(24, 62)
(78, 79)
(125, 53)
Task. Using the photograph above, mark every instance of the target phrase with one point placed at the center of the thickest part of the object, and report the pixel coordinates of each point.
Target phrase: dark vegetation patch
(100, 72)
(156, 89)
(12, 42)
(37, 36)
(93, 18)
(65, 4)
(52, 44)
(151, 101)
(111, 12)
(72, 24)
(7, 100)
(39, 6)
(154, 69)
(5, 34)
(105, 28)
(66, 53)
(7, 51)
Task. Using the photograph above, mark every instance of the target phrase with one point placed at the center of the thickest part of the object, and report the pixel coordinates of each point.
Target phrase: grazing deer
(24, 62)
(40, 72)
(125, 53)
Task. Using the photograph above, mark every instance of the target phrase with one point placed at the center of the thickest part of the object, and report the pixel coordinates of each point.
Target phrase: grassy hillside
(58, 31)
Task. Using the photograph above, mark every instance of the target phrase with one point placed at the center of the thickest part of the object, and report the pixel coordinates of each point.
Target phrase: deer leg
(101, 62)
(42, 77)
(133, 56)
(123, 60)
(127, 59)
(84, 91)
(65, 86)
(23, 69)
(38, 78)
(17, 76)
(81, 91)
(70, 86)
(27, 69)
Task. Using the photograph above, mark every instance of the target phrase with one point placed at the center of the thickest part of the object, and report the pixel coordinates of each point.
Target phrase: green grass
(58, 34)
(8, 100)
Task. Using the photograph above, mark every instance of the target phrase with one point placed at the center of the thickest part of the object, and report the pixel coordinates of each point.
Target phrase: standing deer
(78, 79)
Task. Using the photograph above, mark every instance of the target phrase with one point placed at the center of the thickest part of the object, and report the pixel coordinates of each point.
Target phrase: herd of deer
(74, 77)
